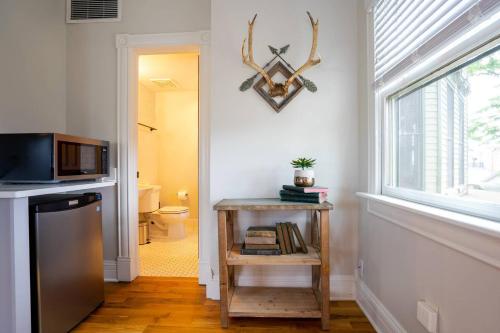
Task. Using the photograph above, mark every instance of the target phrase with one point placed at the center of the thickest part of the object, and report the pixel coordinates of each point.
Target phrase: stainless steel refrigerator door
(69, 266)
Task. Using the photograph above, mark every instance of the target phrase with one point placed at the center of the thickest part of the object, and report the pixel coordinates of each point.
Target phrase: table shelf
(268, 204)
(311, 258)
(239, 301)
(274, 302)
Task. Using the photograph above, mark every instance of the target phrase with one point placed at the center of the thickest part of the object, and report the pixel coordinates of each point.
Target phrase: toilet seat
(173, 210)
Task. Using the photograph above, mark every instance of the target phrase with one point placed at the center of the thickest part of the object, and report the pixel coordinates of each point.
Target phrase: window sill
(476, 237)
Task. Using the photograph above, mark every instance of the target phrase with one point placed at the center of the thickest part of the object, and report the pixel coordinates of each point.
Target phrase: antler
(248, 58)
(310, 61)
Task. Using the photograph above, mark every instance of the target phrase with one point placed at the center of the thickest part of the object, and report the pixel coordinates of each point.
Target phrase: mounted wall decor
(279, 94)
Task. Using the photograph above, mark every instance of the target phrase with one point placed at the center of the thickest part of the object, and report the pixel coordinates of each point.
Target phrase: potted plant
(304, 175)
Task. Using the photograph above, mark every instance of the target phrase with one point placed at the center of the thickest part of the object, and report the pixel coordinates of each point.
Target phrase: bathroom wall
(178, 121)
(148, 145)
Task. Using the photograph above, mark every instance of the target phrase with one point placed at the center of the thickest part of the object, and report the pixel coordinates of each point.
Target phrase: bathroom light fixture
(165, 83)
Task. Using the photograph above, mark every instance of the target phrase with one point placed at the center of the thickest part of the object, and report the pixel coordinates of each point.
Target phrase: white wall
(91, 59)
(402, 267)
(252, 145)
(32, 66)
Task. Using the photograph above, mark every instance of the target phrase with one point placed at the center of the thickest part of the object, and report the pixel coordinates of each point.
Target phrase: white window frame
(383, 95)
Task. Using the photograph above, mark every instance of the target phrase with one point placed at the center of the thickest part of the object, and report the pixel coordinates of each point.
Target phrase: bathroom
(167, 158)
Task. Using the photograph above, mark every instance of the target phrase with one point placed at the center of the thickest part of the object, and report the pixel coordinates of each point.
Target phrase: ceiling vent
(81, 11)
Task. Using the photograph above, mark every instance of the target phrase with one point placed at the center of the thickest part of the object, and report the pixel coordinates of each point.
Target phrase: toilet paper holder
(182, 195)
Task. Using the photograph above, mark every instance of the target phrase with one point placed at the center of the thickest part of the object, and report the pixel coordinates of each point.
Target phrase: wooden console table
(237, 301)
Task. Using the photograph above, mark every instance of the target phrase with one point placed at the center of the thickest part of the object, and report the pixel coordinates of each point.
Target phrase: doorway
(130, 48)
(167, 160)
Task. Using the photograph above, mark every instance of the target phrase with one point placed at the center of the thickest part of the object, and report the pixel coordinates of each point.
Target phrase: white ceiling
(182, 68)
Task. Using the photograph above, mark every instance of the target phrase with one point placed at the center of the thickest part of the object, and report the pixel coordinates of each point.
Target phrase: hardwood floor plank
(161, 305)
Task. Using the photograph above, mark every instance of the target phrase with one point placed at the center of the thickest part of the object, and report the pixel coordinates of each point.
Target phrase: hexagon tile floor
(170, 258)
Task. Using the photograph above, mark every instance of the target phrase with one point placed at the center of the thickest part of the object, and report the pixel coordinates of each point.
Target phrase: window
(442, 137)
(410, 141)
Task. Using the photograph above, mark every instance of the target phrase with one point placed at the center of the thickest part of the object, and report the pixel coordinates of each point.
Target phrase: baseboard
(378, 315)
(213, 291)
(124, 269)
(110, 271)
(342, 287)
(205, 273)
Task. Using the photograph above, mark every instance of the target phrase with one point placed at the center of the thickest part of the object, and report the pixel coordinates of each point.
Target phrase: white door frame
(129, 47)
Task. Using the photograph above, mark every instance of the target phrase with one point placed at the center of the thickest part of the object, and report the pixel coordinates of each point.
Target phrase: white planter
(304, 178)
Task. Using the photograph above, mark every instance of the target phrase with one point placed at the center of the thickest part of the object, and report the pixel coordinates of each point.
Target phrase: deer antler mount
(279, 90)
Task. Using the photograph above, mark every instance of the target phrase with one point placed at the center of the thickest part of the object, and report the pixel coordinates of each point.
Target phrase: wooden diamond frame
(278, 67)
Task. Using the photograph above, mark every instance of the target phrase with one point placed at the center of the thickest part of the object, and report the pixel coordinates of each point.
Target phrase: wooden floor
(153, 305)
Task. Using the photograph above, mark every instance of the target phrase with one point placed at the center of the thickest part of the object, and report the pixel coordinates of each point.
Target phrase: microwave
(51, 158)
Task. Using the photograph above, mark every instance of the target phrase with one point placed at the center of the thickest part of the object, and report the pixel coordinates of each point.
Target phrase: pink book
(313, 189)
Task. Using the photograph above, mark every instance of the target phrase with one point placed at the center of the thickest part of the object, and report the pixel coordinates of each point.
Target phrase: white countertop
(10, 191)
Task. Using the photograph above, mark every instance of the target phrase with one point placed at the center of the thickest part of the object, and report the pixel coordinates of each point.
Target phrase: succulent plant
(303, 163)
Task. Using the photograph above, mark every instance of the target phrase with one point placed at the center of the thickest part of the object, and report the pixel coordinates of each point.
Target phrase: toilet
(165, 223)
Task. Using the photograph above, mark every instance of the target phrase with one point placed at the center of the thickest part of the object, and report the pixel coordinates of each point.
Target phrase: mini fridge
(66, 257)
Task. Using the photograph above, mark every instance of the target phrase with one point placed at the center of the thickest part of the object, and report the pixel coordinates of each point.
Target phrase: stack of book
(286, 238)
(315, 194)
(261, 241)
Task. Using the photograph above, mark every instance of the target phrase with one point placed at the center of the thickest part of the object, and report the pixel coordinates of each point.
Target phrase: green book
(301, 199)
(304, 195)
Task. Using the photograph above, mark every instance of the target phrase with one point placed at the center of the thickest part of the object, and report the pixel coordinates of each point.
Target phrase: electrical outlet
(361, 266)
(427, 315)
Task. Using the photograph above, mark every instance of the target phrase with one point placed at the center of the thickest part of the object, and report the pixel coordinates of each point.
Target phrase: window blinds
(408, 30)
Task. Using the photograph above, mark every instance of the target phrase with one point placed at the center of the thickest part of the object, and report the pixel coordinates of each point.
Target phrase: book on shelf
(312, 189)
(282, 243)
(261, 252)
(260, 240)
(304, 195)
(303, 246)
(262, 246)
(281, 239)
(264, 231)
(289, 229)
(286, 236)
(302, 199)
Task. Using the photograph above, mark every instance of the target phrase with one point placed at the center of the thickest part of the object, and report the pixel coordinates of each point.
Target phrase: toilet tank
(149, 198)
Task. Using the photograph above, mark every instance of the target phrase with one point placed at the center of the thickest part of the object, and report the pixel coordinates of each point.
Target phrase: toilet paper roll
(182, 195)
